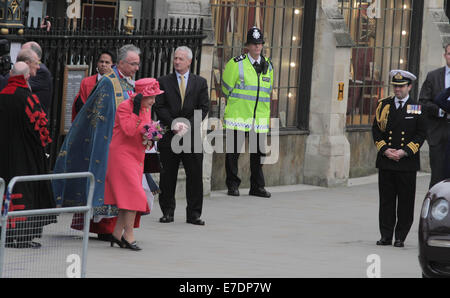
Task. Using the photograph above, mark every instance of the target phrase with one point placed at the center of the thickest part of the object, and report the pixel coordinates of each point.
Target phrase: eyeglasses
(32, 61)
(133, 63)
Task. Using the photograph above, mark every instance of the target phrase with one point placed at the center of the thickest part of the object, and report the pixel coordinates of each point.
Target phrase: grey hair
(185, 49)
(123, 51)
(35, 47)
(20, 68)
(26, 55)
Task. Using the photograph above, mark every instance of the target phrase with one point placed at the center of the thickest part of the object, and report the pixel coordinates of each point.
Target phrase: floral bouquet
(151, 133)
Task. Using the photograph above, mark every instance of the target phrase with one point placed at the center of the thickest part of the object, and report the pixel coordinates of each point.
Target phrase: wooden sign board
(73, 75)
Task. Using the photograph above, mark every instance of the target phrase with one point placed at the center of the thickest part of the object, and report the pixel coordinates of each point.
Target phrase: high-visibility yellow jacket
(248, 95)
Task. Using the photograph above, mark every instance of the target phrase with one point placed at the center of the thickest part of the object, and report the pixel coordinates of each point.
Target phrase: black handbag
(152, 163)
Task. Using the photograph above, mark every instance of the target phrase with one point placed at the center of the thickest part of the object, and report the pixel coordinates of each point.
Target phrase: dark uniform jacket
(399, 129)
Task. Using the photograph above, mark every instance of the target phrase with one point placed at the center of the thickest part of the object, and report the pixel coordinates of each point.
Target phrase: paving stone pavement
(302, 231)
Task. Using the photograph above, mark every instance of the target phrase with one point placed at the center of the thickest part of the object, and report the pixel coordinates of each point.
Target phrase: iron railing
(382, 31)
(13, 263)
(71, 42)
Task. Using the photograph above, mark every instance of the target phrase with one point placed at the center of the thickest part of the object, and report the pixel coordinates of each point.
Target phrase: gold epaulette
(382, 115)
(380, 100)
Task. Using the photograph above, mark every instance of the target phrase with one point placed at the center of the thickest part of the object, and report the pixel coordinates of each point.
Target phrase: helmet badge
(256, 34)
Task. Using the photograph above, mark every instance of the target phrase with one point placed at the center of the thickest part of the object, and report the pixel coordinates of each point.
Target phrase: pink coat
(123, 186)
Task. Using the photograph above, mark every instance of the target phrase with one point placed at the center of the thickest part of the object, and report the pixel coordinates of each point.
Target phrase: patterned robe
(86, 146)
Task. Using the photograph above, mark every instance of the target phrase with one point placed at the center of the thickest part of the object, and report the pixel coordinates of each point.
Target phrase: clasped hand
(180, 128)
(394, 154)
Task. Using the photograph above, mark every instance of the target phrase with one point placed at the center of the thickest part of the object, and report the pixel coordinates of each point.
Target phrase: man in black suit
(42, 83)
(184, 92)
(398, 132)
(437, 121)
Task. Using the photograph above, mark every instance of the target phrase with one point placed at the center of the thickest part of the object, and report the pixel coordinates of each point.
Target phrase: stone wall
(363, 153)
(329, 155)
(288, 170)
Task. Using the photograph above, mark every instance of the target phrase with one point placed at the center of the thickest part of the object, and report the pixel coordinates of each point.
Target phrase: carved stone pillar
(327, 156)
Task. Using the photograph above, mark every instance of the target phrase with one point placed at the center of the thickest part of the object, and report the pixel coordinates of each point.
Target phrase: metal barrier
(71, 271)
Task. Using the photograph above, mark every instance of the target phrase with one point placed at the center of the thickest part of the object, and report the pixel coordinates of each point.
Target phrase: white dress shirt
(404, 100)
(447, 77)
(447, 84)
(186, 78)
(252, 61)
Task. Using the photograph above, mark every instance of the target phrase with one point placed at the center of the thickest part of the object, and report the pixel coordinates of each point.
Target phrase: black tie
(400, 104)
(257, 67)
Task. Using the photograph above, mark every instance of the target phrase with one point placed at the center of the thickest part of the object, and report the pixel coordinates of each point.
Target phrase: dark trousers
(397, 195)
(193, 166)
(439, 160)
(437, 163)
(231, 160)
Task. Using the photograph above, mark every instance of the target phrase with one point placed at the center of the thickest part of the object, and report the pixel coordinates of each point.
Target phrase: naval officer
(398, 132)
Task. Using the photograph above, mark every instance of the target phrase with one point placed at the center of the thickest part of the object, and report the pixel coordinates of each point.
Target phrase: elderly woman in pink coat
(123, 187)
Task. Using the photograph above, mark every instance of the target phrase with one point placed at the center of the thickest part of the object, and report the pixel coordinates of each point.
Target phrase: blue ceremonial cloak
(86, 146)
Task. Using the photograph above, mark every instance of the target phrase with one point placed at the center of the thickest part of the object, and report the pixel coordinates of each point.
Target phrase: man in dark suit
(437, 121)
(42, 83)
(398, 132)
(184, 93)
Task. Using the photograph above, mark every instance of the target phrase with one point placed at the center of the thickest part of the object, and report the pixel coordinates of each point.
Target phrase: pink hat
(147, 87)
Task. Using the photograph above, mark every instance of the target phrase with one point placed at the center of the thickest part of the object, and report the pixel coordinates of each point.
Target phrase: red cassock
(87, 84)
(123, 183)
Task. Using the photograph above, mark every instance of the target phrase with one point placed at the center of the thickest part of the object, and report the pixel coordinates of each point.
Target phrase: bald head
(20, 68)
(34, 46)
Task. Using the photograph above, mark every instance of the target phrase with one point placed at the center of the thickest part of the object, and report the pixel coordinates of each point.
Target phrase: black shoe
(384, 242)
(399, 243)
(260, 192)
(196, 221)
(233, 192)
(116, 241)
(104, 237)
(132, 245)
(166, 219)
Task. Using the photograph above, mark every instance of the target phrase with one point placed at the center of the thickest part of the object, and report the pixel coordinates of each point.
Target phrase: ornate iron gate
(70, 42)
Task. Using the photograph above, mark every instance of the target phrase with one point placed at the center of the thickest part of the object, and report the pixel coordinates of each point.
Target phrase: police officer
(247, 84)
(398, 132)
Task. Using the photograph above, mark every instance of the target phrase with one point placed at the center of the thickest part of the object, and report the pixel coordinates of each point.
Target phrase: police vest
(248, 95)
